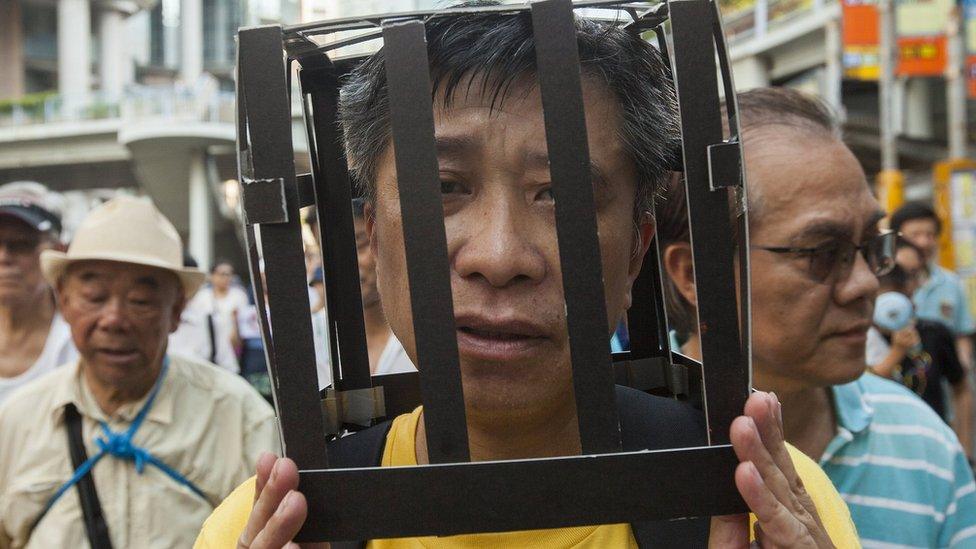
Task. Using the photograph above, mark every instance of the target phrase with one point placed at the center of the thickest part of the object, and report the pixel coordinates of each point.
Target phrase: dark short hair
(488, 53)
(912, 211)
(219, 262)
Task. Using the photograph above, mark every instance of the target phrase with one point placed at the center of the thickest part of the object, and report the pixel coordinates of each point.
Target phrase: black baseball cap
(28, 202)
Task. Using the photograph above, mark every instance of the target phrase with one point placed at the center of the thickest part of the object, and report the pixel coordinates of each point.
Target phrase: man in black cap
(34, 339)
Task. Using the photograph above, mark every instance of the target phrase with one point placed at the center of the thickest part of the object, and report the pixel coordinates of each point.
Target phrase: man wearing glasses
(816, 253)
(34, 339)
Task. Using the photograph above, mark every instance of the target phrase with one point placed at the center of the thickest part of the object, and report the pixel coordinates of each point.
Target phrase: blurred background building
(106, 96)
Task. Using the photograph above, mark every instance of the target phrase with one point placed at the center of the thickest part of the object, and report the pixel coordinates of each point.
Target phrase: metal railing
(753, 19)
(178, 103)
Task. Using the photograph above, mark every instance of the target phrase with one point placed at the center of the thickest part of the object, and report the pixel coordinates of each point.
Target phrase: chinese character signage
(920, 26)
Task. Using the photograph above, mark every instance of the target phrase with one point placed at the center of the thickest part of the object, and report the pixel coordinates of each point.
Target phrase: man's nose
(499, 248)
(112, 315)
(862, 283)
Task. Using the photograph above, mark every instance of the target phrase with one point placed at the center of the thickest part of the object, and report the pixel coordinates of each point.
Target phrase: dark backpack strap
(213, 339)
(362, 449)
(90, 506)
(654, 423)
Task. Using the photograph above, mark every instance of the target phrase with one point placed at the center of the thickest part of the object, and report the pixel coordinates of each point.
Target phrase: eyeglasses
(834, 260)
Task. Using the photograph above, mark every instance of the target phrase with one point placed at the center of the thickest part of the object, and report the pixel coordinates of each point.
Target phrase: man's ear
(178, 305)
(369, 214)
(643, 234)
(680, 269)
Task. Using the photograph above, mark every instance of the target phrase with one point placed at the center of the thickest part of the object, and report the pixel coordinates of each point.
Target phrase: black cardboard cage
(451, 495)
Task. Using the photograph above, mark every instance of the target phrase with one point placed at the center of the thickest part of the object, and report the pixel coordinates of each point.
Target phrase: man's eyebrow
(88, 276)
(825, 229)
(455, 145)
(149, 281)
(541, 159)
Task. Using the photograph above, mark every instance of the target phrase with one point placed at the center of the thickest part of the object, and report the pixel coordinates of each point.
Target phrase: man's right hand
(279, 508)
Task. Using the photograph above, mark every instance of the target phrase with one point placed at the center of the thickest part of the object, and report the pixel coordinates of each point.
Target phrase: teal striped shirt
(900, 469)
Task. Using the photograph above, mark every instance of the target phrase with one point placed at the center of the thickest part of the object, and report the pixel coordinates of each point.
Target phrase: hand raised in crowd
(279, 508)
(905, 339)
(766, 478)
(770, 485)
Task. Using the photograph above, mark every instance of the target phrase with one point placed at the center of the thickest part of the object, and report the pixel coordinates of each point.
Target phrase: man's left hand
(769, 484)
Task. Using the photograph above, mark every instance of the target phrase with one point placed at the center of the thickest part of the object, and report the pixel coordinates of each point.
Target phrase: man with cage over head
(507, 288)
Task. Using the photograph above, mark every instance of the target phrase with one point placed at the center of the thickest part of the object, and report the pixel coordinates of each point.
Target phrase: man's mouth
(856, 332)
(117, 354)
(497, 339)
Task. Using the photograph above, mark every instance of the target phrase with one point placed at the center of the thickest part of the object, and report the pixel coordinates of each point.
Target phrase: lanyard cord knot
(119, 445)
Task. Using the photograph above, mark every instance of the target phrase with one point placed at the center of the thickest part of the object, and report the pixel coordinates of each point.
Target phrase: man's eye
(545, 195)
(452, 187)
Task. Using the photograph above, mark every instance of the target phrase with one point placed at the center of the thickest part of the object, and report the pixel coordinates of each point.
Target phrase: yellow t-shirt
(225, 525)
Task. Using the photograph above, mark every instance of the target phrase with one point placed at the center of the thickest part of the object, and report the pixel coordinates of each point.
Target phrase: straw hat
(128, 230)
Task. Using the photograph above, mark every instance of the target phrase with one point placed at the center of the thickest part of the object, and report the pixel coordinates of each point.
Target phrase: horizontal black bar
(356, 504)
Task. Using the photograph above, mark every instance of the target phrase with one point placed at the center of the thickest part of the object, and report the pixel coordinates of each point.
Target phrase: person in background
(34, 339)
(386, 354)
(816, 250)
(169, 437)
(941, 298)
(196, 336)
(919, 353)
(225, 300)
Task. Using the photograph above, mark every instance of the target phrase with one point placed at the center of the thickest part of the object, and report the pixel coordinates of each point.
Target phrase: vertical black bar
(340, 263)
(557, 58)
(726, 375)
(742, 237)
(263, 76)
(428, 269)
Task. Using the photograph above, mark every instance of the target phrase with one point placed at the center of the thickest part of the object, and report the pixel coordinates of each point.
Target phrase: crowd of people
(134, 396)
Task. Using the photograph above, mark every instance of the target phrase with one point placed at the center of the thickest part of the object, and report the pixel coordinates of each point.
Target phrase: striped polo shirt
(900, 469)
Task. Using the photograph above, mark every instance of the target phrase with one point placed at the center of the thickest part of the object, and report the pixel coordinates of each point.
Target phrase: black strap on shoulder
(90, 506)
(362, 449)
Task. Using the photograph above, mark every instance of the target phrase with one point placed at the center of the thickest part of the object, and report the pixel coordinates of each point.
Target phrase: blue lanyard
(119, 445)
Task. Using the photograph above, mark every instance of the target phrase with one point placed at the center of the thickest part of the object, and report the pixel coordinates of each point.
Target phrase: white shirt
(58, 349)
(205, 423)
(192, 339)
(222, 308)
(393, 359)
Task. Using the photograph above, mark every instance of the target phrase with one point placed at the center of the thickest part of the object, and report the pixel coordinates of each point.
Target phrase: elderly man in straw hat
(125, 447)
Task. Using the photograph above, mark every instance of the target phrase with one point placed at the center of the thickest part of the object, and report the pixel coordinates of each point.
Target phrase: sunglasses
(834, 260)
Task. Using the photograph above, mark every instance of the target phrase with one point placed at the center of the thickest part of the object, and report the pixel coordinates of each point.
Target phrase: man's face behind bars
(501, 235)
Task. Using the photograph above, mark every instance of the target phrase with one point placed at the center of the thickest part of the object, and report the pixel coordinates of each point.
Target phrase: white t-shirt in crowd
(58, 349)
(222, 308)
(192, 339)
(393, 360)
